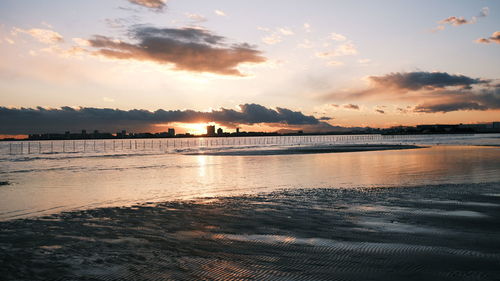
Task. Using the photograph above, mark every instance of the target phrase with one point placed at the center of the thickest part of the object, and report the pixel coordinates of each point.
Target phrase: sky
(145, 65)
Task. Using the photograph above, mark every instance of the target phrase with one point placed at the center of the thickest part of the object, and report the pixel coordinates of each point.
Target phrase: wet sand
(308, 149)
(440, 232)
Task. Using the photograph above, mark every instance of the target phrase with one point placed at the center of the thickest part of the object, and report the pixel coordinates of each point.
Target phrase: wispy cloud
(351, 106)
(81, 42)
(45, 36)
(306, 44)
(458, 21)
(156, 5)
(337, 37)
(272, 39)
(307, 27)
(346, 49)
(275, 36)
(285, 31)
(484, 12)
(197, 18)
(9, 40)
(220, 13)
(494, 38)
(335, 63)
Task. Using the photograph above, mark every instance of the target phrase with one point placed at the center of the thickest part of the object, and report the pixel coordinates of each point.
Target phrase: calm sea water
(49, 177)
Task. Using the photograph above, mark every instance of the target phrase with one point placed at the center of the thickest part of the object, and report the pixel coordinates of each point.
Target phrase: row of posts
(29, 147)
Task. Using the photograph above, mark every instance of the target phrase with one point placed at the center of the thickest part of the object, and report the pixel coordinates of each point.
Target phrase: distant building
(237, 130)
(121, 134)
(84, 132)
(496, 125)
(436, 128)
(171, 132)
(210, 130)
(219, 131)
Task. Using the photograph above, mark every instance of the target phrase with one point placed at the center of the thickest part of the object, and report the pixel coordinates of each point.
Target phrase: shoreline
(308, 150)
(436, 232)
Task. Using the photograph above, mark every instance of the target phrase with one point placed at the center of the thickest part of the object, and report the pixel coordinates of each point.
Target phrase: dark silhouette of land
(212, 131)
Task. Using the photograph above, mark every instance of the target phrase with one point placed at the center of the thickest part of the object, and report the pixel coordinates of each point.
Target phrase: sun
(195, 128)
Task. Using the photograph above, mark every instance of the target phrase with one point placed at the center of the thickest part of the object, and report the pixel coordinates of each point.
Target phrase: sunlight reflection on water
(41, 185)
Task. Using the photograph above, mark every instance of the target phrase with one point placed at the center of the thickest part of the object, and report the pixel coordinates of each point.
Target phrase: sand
(305, 149)
(441, 232)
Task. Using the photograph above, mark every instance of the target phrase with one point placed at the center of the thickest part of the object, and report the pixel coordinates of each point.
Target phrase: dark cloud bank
(484, 99)
(189, 49)
(448, 92)
(425, 80)
(41, 120)
(436, 91)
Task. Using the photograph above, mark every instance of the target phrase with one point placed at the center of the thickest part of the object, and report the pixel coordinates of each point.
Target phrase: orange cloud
(189, 49)
(494, 38)
(430, 92)
(157, 5)
(45, 36)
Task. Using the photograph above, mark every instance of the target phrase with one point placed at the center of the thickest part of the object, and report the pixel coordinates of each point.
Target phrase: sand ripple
(442, 232)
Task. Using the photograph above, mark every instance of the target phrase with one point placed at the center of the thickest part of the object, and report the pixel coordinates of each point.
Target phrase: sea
(424, 207)
(47, 177)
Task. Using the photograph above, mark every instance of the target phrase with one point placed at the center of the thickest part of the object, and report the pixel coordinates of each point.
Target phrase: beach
(249, 140)
(387, 211)
(434, 232)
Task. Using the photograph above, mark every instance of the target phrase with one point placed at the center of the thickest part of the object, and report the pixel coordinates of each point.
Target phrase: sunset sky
(145, 65)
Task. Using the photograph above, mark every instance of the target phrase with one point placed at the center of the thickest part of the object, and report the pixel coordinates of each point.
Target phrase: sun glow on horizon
(195, 128)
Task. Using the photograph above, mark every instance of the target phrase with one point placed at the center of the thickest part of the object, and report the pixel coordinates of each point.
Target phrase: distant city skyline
(213, 131)
(262, 66)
